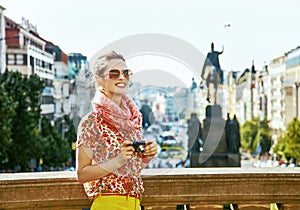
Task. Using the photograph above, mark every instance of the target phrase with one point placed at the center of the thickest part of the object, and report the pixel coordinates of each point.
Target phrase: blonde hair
(101, 65)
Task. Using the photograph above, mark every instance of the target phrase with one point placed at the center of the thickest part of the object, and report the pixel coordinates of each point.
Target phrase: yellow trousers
(115, 202)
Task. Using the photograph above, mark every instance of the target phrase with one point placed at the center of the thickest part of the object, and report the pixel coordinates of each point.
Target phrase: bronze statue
(212, 73)
(194, 84)
(233, 138)
(194, 133)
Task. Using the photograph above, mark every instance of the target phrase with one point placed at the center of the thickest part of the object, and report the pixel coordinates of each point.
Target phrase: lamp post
(252, 87)
(297, 98)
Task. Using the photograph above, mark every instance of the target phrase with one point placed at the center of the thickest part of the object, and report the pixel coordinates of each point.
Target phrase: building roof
(292, 50)
(10, 24)
(2, 8)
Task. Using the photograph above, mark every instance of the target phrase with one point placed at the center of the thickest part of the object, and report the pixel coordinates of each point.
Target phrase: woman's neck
(115, 98)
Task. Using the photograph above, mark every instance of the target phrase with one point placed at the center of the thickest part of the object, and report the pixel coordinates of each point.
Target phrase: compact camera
(139, 146)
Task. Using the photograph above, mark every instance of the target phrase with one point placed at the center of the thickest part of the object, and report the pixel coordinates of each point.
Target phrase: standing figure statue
(212, 73)
(194, 133)
(233, 138)
(147, 116)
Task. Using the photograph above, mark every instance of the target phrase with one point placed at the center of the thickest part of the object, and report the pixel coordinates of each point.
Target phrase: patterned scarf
(126, 118)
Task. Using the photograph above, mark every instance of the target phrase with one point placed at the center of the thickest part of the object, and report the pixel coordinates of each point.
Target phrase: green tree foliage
(248, 135)
(25, 92)
(289, 144)
(24, 134)
(7, 112)
(70, 132)
(70, 136)
(54, 149)
(256, 132)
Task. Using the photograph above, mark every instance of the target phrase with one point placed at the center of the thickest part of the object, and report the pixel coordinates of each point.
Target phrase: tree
(256, 132)
(24, 134)
(248, 134)
(54, 149)
(7, 112)
(70, 136)
(289, 144)
(25, 92)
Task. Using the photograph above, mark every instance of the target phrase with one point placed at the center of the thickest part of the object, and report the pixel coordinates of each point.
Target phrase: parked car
(168, 138)
(175, 152)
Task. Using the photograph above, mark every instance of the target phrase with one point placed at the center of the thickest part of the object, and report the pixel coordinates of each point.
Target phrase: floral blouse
(103, 141)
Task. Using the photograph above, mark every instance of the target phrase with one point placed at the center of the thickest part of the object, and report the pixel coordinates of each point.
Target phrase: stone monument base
(215, 160)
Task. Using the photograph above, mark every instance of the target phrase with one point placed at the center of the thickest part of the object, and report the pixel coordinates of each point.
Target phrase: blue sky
(260, 30)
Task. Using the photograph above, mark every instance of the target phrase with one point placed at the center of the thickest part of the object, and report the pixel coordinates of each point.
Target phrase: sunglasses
(115, 74)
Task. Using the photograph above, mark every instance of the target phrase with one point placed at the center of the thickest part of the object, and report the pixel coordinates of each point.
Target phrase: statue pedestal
(215, 151)
(215, 160)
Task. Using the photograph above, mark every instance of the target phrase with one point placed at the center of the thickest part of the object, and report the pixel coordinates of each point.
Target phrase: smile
(121, 84)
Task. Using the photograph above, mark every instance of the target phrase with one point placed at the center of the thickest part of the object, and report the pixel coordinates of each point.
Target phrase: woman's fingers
(126, 150)
(151, 148)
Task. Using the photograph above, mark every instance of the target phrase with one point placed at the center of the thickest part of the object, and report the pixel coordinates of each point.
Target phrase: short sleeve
(87, 134)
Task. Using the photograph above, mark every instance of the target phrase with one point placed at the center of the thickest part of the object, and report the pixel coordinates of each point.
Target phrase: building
(24, 50)
(292, 81)
(246, 95)
(26, 53)
(232, 93)
(76, 63)
(262, 92)
(82, 93)
(61, 82)
(276, 102)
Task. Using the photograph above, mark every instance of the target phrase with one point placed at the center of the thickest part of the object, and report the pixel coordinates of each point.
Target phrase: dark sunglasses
(115, 73)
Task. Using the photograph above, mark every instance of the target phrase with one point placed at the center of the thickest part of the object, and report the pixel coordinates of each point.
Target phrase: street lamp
(297, 98)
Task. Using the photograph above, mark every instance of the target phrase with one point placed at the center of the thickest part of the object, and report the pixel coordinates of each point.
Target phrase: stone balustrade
(197, 188)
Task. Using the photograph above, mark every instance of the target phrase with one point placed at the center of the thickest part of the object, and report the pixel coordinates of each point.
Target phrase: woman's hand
(150, 150)
(126, 151)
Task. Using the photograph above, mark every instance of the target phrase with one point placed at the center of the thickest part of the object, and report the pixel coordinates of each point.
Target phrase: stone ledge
(163, 187)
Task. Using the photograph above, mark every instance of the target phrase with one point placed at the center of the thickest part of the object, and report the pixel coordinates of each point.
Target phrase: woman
(107, 163)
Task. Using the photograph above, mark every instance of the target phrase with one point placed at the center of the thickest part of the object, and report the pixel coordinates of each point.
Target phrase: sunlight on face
(115, 87)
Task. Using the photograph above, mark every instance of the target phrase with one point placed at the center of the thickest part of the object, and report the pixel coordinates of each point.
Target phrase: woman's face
(115, 87)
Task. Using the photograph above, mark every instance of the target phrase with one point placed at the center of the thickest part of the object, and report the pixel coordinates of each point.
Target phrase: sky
(249, 30)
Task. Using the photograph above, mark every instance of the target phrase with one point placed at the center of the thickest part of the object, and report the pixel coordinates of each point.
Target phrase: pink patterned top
(103, 141)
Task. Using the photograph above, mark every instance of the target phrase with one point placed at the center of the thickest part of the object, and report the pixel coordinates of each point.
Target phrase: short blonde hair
(101, 65)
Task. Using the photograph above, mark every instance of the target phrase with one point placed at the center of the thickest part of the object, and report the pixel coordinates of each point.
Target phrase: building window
(10, 59)
(46, 65)
(37, 62)
(293, 61)
(25, 59)
(31, 61)
(19, 60)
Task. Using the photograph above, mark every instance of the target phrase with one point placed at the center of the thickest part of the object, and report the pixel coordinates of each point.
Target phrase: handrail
(200, 188)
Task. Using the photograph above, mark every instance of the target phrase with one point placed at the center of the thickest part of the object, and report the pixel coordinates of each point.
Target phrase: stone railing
(197, 188)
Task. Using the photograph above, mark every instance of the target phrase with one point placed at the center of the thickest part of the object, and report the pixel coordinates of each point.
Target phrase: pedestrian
(108, 165)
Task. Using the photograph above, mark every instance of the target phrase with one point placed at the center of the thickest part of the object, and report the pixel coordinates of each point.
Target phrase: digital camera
(139, 146)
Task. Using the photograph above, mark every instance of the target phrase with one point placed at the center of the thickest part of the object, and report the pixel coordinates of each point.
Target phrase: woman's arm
(86, 171)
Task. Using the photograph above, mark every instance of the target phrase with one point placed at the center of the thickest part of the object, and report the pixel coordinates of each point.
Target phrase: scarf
(126, 118)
